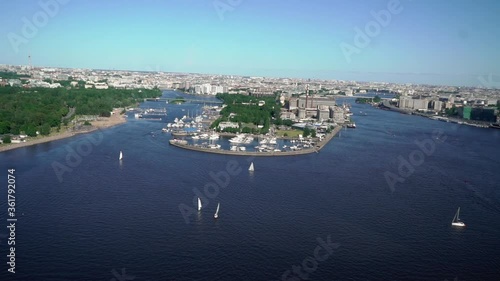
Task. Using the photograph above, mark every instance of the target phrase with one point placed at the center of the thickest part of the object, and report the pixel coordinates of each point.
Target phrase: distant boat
(199, 204)
(216, 215)
(121, 155)
(456, 219)
(251, 169)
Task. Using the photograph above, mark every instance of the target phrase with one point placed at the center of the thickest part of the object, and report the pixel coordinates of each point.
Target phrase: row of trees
(375, 99)
(11, 75)
(40, 109)
(309, 132)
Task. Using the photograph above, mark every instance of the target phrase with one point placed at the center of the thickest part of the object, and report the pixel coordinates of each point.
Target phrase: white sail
(199, 204)
(217, 212)
(121, 155)
(251, 167)
(456, 219)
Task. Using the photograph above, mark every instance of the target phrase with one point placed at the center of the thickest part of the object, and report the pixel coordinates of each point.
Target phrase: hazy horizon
(451, 43)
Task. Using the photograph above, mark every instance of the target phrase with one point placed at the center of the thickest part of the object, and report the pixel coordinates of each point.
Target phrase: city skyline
(317, 40)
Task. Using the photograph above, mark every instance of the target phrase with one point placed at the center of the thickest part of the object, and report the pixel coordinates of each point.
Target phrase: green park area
(253, 114)
(28, 110)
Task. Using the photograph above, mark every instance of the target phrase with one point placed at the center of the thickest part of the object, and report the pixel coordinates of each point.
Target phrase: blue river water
(352, 211)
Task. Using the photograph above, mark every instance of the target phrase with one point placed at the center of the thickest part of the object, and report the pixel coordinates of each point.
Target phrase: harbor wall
(314, 149)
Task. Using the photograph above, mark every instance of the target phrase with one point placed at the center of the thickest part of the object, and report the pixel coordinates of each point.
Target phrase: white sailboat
(121, 155)
(251, 169)
(216, 215)
(456, 219)
(199, 204)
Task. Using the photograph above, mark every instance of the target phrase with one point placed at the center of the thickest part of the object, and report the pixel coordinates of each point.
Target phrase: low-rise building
(224, 125)
(323, 112)
(101, 86)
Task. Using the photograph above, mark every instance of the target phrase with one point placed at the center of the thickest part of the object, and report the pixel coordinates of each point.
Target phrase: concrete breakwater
(315, 149)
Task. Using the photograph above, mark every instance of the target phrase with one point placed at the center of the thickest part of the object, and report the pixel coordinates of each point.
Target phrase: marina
(299, 147)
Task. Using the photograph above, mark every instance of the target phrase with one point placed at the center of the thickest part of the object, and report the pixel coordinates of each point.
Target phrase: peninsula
(300, 126)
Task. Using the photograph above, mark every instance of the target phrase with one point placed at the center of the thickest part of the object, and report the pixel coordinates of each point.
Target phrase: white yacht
(213, 136)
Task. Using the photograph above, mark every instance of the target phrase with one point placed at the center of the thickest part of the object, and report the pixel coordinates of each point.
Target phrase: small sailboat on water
(456, 219)
(251, 169)
(121, 155)
(199, 203)
(216, 215)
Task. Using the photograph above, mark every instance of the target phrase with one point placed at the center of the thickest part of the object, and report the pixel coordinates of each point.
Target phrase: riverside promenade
(314, 149)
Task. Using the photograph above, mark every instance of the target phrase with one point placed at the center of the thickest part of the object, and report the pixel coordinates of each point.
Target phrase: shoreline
(314, 149)
(114, 120)
(453, 120)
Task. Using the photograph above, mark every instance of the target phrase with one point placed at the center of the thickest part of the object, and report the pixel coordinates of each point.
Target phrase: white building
(101, 86)
(224, 125)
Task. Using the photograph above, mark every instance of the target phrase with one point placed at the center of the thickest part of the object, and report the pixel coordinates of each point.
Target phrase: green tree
(4, 127)
(45, 129)
(307, 132)
(6, 139)
(30, 131)
(451, 111)
(246, 130)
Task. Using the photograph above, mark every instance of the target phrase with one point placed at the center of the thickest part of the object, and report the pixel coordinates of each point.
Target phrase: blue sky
(436, 42)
